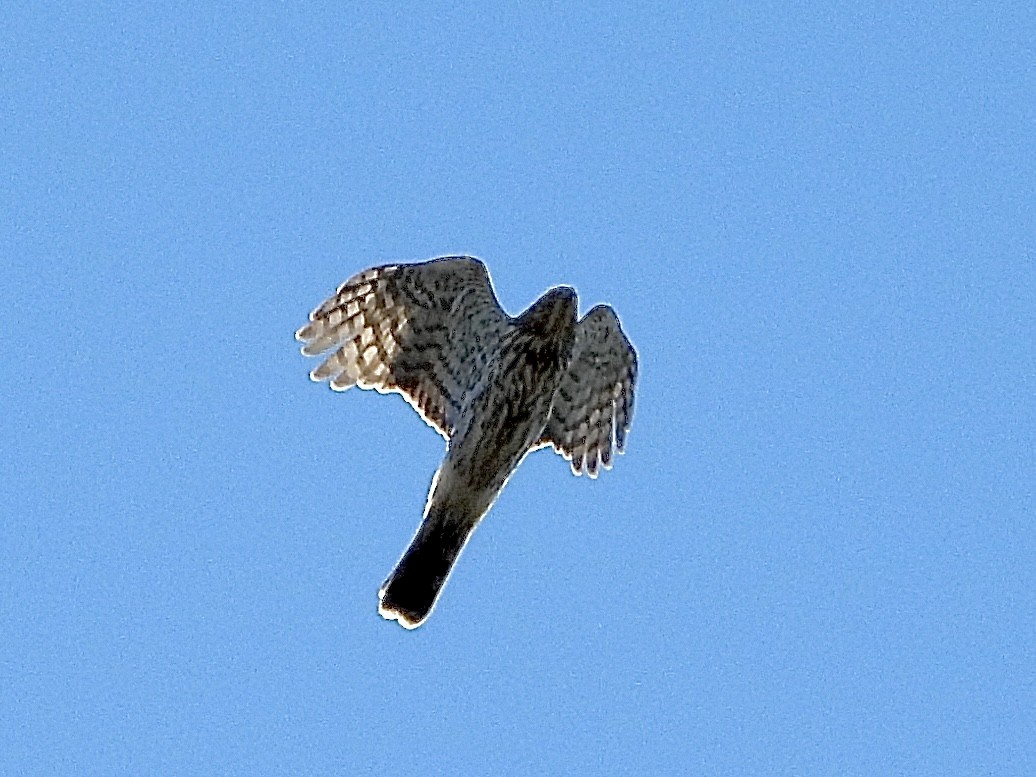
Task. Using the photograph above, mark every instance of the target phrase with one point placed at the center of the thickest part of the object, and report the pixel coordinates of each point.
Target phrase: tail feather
(412, 589)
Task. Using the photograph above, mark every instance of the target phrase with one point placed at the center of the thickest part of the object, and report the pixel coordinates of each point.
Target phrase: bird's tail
(411, 590)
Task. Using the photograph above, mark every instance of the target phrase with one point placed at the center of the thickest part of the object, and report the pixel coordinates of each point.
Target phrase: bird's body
(494, 386)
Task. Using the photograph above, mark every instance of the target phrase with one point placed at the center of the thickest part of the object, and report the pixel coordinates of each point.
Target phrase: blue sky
(816, 222)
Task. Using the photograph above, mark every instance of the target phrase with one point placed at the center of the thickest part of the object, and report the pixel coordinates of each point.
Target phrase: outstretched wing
(593, 406)
(421, 330)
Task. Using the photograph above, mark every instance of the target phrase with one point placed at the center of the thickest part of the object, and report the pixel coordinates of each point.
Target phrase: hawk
(495, 387)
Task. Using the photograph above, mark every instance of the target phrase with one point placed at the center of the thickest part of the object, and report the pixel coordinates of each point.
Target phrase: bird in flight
(495, 387)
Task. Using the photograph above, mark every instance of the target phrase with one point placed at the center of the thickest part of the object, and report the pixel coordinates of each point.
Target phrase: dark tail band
(411, 590)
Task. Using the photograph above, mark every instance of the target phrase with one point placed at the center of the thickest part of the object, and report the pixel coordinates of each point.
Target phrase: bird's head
(552, 314)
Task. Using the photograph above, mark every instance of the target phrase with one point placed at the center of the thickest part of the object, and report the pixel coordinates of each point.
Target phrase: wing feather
(593, 405)
(419, 330)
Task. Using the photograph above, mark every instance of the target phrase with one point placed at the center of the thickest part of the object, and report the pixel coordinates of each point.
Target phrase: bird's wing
(593, 405)
(420, 330)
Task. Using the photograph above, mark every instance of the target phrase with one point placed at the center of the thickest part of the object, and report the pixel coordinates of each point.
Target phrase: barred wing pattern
(593, 406)
(424, 331)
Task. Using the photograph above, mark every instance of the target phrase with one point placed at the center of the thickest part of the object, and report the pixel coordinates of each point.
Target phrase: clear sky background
(817, 224)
